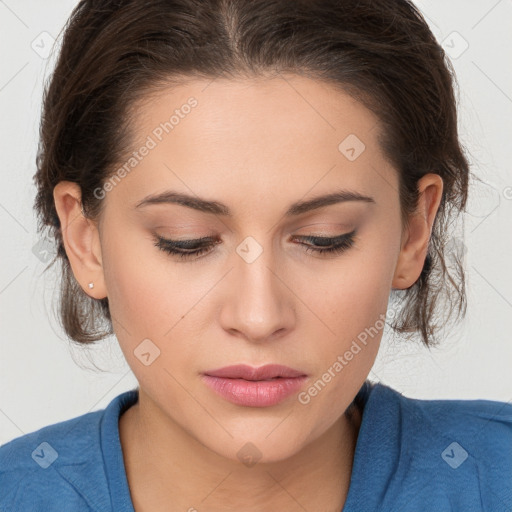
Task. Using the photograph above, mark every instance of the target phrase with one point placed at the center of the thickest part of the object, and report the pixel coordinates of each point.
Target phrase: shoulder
(39, 448)
(459, 449)
(485, 426)
(454, 413)
(47, 469)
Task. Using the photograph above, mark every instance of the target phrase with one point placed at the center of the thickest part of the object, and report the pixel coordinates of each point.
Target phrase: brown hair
(382, 52)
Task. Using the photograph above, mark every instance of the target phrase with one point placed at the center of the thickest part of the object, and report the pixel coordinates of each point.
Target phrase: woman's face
(256, 295)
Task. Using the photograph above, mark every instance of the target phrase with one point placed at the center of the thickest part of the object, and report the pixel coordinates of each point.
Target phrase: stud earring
(91, 285)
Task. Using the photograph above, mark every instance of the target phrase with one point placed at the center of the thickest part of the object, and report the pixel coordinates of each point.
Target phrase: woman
(236, 190)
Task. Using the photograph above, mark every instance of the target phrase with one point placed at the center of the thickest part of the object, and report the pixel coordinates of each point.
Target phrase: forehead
(291, 106)
(264, 135)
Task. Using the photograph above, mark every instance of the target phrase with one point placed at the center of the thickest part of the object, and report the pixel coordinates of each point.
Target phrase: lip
(255, 387)
(243, 371)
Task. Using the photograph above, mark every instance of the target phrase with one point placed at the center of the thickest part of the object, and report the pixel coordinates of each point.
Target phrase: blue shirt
(411, 455)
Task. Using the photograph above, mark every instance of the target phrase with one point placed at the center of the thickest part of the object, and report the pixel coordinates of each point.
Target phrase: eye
(194, 248)
(332, 245)
(185, 248)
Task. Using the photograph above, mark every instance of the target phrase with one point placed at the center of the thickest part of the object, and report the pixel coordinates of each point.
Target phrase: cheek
(355, 291)
(353, 305)
(145, 289)
(352, 301)
(149, 299)
(368, 288)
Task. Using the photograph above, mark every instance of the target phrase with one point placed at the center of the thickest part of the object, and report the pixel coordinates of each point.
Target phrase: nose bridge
(258, 305)
(255, 259)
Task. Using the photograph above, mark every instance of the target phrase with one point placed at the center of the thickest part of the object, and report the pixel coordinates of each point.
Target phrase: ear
(415, 240)
(81, 239)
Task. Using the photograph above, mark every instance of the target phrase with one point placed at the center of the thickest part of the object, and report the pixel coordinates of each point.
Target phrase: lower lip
(258, 393)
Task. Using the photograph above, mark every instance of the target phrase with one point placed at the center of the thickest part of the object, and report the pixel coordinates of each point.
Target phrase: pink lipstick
(255, 387)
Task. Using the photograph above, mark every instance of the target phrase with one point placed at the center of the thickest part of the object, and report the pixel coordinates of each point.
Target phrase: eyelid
(212, 239)
(326, 236)
(333, 245)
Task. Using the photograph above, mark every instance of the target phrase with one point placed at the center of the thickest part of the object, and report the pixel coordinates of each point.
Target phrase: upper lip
(242, 371)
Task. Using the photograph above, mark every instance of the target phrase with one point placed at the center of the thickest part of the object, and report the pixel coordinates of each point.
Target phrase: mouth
(255, 387)
(263, 373)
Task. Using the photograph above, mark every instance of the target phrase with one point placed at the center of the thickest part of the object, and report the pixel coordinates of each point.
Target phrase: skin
(256, 146)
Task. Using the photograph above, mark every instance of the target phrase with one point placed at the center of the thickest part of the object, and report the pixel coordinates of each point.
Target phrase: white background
(44, 379)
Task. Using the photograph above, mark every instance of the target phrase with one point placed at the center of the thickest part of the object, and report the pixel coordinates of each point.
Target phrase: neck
(169, 470)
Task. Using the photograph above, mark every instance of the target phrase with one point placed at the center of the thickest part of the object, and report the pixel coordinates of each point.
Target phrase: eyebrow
(217, 208)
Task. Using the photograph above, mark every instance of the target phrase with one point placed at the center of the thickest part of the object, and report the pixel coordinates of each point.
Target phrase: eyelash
(346, 241)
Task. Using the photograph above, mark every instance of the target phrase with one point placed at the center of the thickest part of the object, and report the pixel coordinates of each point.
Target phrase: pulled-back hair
(116, 53)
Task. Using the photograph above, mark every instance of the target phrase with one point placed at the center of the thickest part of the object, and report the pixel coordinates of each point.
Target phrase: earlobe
(81, 239)
(414, 248)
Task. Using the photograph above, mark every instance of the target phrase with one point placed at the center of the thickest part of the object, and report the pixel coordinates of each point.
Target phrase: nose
(259, 304)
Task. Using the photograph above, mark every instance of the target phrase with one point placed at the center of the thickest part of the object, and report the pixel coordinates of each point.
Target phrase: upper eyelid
(209, 239)
(333, 237)
(333, 245)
